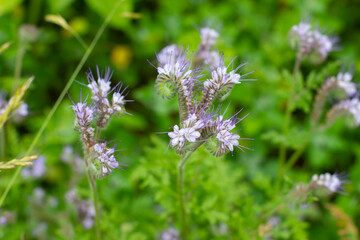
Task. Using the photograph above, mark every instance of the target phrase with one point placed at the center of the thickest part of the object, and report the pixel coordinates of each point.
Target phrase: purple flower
(106, 160)
(36, 170)
(331, 182)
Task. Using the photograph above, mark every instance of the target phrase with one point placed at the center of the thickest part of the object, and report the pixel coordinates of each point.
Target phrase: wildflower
(36, 170)
(100, 90)
(84, 115)
(86, 213)
(332, 182)
(168, 54)
(208, 36)
(170, 234)
(220, 84)
(311, 42)
(106, 160)
(175, 72)
(344, 82)
(345, 107)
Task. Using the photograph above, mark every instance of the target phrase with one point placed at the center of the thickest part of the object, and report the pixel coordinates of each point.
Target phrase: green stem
(282, 150)
(18, 65)
(180, 186)
(71, 80)
(92, 184)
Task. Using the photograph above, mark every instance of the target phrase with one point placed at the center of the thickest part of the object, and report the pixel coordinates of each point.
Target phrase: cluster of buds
(100, 110)
(345, 107)
(196, 95)
(100, 90)
(331, 182)
(205, 55)
(344, 89)
(311, 43)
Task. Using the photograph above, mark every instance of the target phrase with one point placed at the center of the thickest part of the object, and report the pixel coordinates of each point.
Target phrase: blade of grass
(62, 95)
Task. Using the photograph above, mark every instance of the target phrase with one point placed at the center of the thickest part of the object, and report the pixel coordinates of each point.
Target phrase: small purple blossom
(332, 182)
(208, 36)
(36, 170)
(170, 234)
(168, 54)
(106, 159)
(84, 115)
(311, 42)
(100, 90)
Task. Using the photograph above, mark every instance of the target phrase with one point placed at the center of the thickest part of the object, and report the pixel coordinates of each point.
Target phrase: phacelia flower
(100, 89)
(344, 82)
(208, 36)
(220, 84)
(311, 42)
(168, 54)
(106, 160)
(332, 182)
(345, 107)
(170, 234)
(83, 117)
(36, 170)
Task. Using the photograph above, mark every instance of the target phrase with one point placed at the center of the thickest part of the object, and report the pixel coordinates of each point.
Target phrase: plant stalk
(62, 95)
(93, 189)
(282, 150)
(180, 186)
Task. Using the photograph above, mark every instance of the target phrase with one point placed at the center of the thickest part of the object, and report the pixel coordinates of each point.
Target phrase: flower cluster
(331, 182)
(205, 55)
(311, 43)
(170, 234)
(348, 105)
(100, 90)
(196, 95)
(101, 110)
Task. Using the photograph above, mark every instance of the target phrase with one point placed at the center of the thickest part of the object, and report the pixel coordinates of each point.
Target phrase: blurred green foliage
(139, 203)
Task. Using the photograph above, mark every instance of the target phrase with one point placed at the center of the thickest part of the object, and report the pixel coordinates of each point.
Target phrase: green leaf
(8, 5)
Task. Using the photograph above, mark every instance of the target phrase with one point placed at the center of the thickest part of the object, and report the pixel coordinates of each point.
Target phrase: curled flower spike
(100, 90)
(220, 84)
(208, 36)
(311, 43)
(345, 107)
(168, 54)
(341, 82)
(332, 182)
(344, 82)
(83, 117)
(105, 160)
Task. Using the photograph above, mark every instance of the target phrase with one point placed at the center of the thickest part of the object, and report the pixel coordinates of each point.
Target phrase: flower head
(84, 115)
(332, 182)
(168, 54)
(100, 90)
(105, 160)
(208, 36)
(311, 42)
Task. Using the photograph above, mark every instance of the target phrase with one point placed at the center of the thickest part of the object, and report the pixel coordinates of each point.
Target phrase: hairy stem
(92, 184)
(180, 187)
(66, 88)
